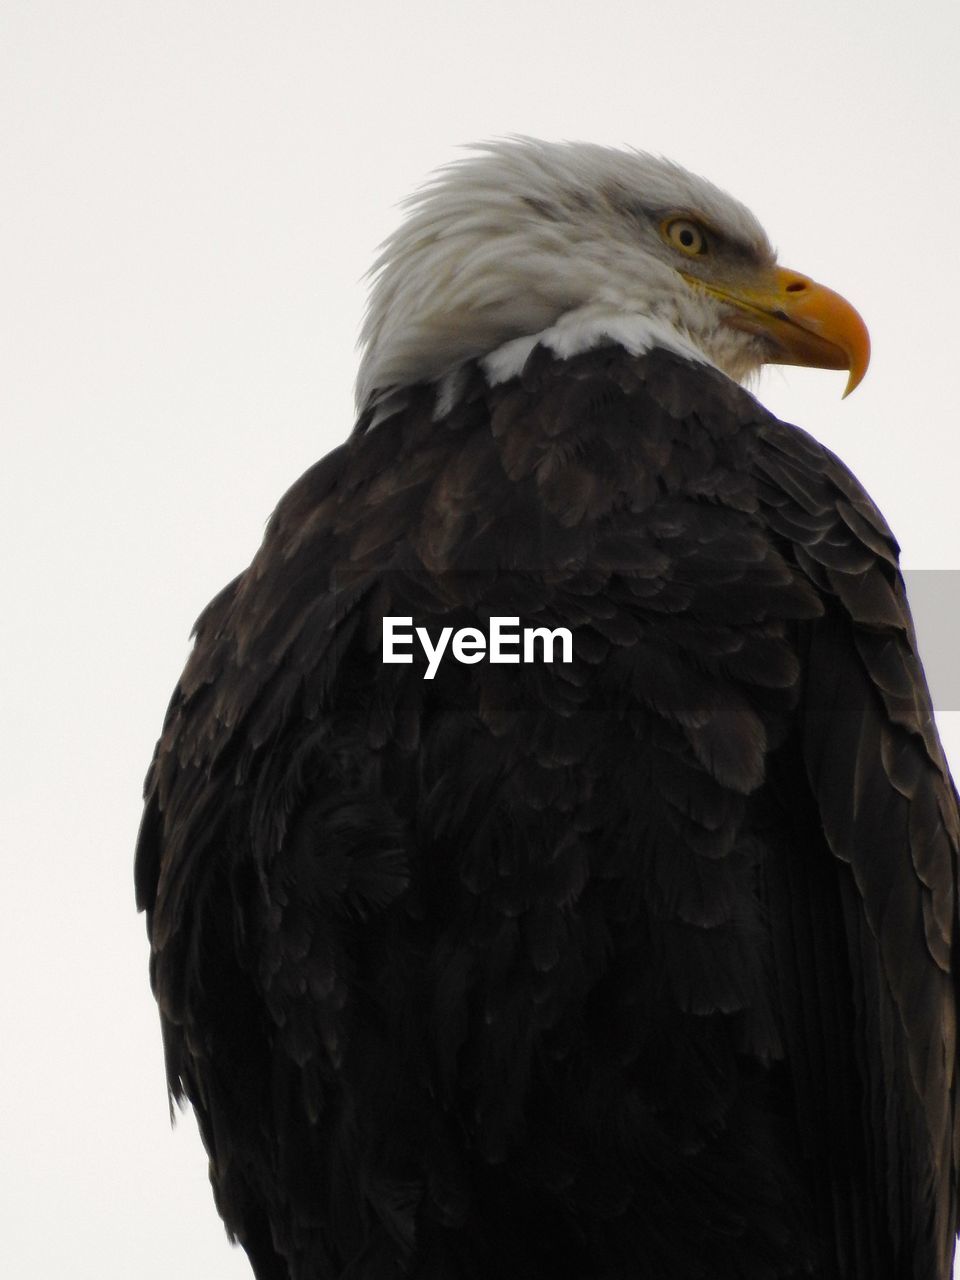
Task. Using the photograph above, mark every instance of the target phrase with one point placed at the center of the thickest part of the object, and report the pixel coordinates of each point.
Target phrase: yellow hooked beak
(805, 322)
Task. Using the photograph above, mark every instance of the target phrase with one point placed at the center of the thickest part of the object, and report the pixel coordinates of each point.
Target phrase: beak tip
(858, 370)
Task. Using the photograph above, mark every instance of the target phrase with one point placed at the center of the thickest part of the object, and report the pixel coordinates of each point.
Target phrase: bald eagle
(630, 961)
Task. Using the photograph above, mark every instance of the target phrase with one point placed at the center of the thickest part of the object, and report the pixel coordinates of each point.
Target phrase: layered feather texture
(639, 964)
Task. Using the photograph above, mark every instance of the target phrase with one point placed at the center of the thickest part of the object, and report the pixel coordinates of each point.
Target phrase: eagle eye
(685, 235)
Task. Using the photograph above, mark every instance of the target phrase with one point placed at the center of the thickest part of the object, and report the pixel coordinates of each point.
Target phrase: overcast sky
(191, 195)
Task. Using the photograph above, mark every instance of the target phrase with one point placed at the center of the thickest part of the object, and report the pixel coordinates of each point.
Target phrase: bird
(633, 959)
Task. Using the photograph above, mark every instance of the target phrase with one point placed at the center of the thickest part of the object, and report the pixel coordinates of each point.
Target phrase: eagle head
(524, 235)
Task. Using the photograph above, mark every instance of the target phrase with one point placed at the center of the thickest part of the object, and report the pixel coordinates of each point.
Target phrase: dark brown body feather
(637, 966)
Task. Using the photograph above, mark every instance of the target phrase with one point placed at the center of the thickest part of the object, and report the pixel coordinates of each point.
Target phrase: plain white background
(191, 194)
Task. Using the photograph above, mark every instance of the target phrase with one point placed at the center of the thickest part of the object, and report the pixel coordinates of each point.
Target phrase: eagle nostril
(796, 286)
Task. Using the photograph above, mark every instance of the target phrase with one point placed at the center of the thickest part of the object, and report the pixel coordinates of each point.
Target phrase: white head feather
(505, 243)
